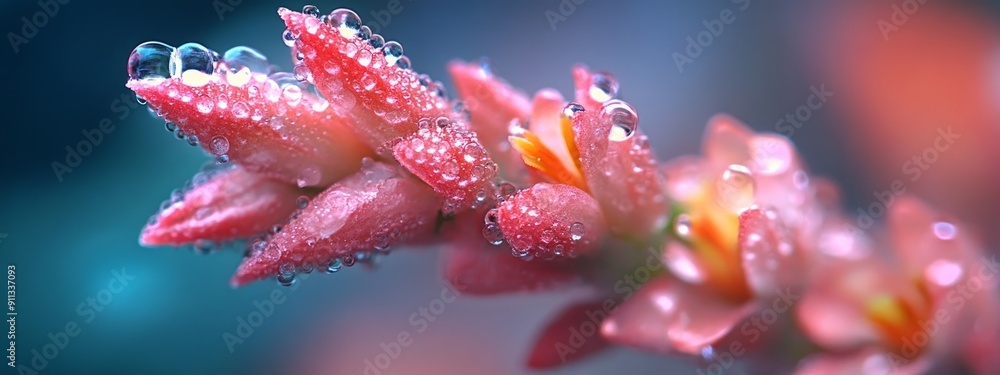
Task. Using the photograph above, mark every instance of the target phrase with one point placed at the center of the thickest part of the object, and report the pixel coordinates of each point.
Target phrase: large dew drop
(393, 51)
(150, 60)
(347, 23)
(240, 57)
(603, 87)
(623, 118)
(191, 56)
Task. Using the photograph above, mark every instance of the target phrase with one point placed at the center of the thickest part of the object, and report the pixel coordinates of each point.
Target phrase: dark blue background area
(67, 237)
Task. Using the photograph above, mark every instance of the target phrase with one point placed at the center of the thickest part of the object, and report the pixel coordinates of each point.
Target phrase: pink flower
(935, 299)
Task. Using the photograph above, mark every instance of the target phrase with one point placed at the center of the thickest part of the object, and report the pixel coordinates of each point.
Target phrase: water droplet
(492, 216)
(334, 266)
(222, 159)
(603, 87)
(240, 57)
(286, 280)
(364, 33)
(507, 189)
(219, 145)
(308, 177)
(205, 105)
(392, 51)
(170, 126)
(572, 109)
(493, 234)
(150, 60)
(944, 230)
(623, 118)
(364, 57)
(735, 188)
(302, 202)
(292, 94)
(192, 56)
(403, 62)
(241, 110)
(577, 230)
(943, 272)
(377, 41)
(347, 23)
(348, 260)
(311, 10)
(682, 226)
(302, 73)
(192, 140)
(288, 38)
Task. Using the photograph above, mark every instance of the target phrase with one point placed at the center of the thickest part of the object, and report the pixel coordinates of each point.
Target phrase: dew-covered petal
(452, 161)
(622, 175)
(374, 208)
(771, 261)
(288, 135)
(572, 335)
(549, 220)
(477, 267)
(593, 89)
(667, 315)
(378, 98)
(931, 246)
(232, 204)
(869, 361)
(726, 140)
(492, 105)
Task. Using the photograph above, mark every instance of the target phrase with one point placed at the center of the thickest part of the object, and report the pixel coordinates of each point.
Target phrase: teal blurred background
(67, 234)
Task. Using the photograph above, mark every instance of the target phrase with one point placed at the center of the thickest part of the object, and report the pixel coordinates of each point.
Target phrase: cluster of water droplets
(545, 246)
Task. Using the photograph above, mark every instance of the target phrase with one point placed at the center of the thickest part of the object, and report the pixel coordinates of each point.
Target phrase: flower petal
(232, 204)
(379, 99)
(863, 362)
(570, 336)
(726, 141)
(771, 261)
(451, 161)
(622, 175)
(492, 104)
(668, 315)
(293, 137)
(549, 220)
(478, 267)
(588, 92)
(372, 209)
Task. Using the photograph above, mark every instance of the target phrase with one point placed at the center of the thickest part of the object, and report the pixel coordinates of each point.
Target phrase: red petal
(380, 101)
(374, 208)
(259, 128)
(726, 141)
(668, 315)
(492, 104)
(571, 336)
(929, 245)
(450, 160)
(552, 220)
(864, 362)
(232, 204)
(622, 176)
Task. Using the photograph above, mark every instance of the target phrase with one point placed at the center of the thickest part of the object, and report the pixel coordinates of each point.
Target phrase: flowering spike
(550, 349)
(492, 105)
(369, 210)
(381, 100)
(232, 204)
(552, 220)
(286, 134)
